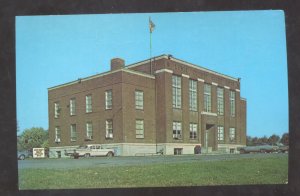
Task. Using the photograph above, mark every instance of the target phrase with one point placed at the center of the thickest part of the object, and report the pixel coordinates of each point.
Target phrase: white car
(93, 150)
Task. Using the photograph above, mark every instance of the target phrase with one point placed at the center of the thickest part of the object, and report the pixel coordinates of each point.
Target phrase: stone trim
(184, 75)
(209, 113)
(164, 70)
(103, 74)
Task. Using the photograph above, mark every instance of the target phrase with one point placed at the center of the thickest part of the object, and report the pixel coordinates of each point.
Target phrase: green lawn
(273, 170)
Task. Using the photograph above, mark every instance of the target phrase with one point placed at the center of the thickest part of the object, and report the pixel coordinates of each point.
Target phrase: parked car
(282, 148)
(90, 150)
(24, 154)
(264, 148)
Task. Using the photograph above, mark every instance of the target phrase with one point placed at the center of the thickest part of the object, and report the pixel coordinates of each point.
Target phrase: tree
(262, 140)
(249, 141)
(255, 141)
(34, 137)
(285, 139)
(273, 139)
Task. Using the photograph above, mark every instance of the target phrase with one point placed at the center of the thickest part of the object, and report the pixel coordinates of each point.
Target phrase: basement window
(178, 151)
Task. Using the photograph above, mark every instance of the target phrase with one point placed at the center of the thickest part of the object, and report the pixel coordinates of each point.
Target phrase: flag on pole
(151, 25)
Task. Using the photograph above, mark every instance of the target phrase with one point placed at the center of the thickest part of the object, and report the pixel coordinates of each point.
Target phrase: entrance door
(209, 136)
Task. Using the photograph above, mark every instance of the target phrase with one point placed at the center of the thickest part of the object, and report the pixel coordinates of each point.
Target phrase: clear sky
(51, 50)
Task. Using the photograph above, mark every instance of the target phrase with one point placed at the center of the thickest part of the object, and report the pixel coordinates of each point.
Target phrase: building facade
(164, 105)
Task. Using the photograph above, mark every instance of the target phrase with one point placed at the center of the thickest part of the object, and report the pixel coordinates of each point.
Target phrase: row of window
(177, 132)
(176, 91)
(139, 130)
(139, 125)
(139, 103)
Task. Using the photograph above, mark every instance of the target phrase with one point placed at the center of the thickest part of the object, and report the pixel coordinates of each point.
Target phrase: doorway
(209, 137)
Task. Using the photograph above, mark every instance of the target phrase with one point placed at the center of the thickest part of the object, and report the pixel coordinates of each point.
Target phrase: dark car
(264, 148)
(24, 154)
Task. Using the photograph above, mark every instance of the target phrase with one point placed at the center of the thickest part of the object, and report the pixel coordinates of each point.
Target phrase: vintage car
(90, 150)
(24, 154)
(264, 148)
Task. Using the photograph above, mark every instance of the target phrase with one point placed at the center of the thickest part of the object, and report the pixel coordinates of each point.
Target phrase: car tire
(110, 154)
(22, 157)
(242, 151)
(87, 155)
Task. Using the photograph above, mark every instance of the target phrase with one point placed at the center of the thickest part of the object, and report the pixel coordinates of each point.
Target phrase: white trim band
(164, 70)
(209, 113)
(138, 73)
(213, 83)
(201, 68)
(227, 87)
(237, 90)
(200, 80)
(165, 56)
(184, 75)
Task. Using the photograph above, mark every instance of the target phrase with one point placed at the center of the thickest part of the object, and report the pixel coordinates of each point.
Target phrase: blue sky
(51, 50)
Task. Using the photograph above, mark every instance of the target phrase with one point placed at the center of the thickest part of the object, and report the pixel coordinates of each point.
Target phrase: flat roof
(125, 69)
(166, 56)
(102, 74)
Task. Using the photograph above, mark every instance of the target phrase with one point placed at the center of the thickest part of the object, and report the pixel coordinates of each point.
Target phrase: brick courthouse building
(166, 105)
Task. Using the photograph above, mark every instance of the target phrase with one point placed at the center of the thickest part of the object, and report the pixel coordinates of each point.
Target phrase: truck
(90, 150)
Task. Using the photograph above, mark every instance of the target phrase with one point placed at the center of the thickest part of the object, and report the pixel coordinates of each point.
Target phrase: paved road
(68, 163)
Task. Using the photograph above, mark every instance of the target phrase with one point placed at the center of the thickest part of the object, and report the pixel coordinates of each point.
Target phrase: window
(139, 128)
(176, 86)
(193, 95)
(56, 110)
(72, 106)
(193, 131)
(220, 133)
(220, 104)
(232, 103)
(89, 131)
(178, 151)
(139, 100)
(57, 134)
(88, 103)
(207, 97)
(109, 129)
(73, 133)
(108, 99)
(177, 130)
(232, 134)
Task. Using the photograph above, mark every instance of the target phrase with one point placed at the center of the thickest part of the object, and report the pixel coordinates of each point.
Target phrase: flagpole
(150, 45)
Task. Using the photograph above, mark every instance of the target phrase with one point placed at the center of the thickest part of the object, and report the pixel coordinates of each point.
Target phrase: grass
(273, 170)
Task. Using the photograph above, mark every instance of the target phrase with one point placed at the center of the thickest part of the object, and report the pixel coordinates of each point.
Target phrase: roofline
(165, 56)
(204, 69)
(146, 61)
(100, 75)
